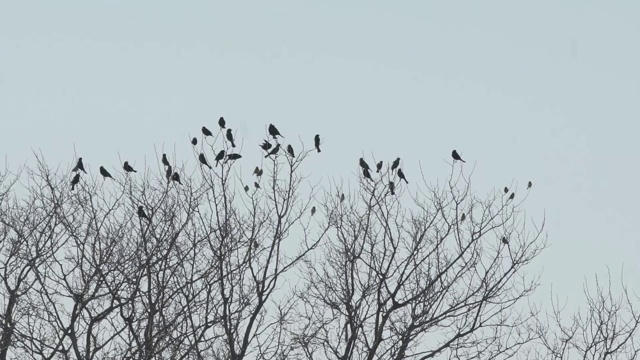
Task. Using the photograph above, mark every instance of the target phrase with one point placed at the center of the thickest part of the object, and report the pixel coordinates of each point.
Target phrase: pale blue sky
(540, 90)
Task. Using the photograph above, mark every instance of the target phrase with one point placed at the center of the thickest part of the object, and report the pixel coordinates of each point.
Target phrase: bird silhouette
(316, 141)
(392, 187)
(505, 241)
(379, 166)
(529, 185)
(128, 167)
(260, 173)
(366, 173)
(246, 188)
(463, 217)
(256, 185)
(206, 131)
(165, 162)
(273, 131)
(75, 181)
(395, 164)
(274, 151)
(290, 151)
(233, 157)
(266, 145)
(313, 210)
(142, 214)
(256, 170)
(219, 157)
(194, 141)
(203, 160)
(512, 196)
(364, 164)
(456, 156)
(401, 175)
(506, 189)
(221, 122)
(79, 166)
(105, 174)
(342, 197)
(168, 174)
(230, 137)
(176, 177)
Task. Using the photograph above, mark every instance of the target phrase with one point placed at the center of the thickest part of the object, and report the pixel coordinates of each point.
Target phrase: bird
(75, 181)
(342, 197)
(230, 137)
(316, 141)
(141, 213)
(290, 151)
(206, 131)
(176, 177)
(233, 157)
(456, 156)
(221, 122)
(194, 141)
(255, 183)
(273, 131)
(260, 173)
(366, 173)
(203, 160)
(463, 217)
(392, 187)
(266, 145)
(105, 173)
(256, 170)
(505, 241)
(401, 175)
(274, 151)
(246, 188)
(219, 157)
(529, 185)
(364, 164)
(512, 196)
(506, 189)
(395, 164)
(379, 166)
(168, 174)
(128, 167)
(79, 166)
(165, 162)
(313, 210)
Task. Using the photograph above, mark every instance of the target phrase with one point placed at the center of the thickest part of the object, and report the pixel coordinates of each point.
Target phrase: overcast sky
(546, 91)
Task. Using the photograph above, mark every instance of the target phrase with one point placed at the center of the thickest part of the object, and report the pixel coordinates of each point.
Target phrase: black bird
(165, 162)
(463, 217)
(230, 137)
(246, 188)
(456, 156)
(221, 122)
(75, 181)
(395, 164)
(274, 151)
(256, 185)
(206, 132)
(168, 174)
(273, 131)
(256, 170)
(313, 210)
(105, 173)
(128, 167)
(506, 189)
(379, 166)
(512, 196)
(259, 174)
(529, 185)
(141, 213)
(194, 141)
(219, 157)
(366, 173)
(392, 187)
(203, 160)
(176, 177)
(79, 166)
(364, 164)
(266, 145)
(342, 197)
(401, 175)
(316, 141)
(505, 241)
(290, 151)
(233, 157)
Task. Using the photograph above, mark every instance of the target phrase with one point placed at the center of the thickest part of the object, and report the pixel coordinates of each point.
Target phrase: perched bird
(512, 196)
(366, 173)
(313, 210)
(246, 188)
(342, 197)
(128, 167)
(230, 137)
(256, 185)
(256, 170)
(392, 187)
(79, 166)
(233, 157)
(379, 166)
(290, 151)
(316, 141)
(168, 173)
(529, 185)
(221, 122)
(506, 189)
(505, 241)
(176, 177)
(203, 160)
(194, 141)
(266, 145)
(75, 181)
(260, 173)
(456, 156)
(401, 175)
(364, 164)
(274, 151)
(105, 173)
(141, 213)
(463, 217)
(395, 164)
(219, 157)
(206, 132)
(165, 162)
(273, 131)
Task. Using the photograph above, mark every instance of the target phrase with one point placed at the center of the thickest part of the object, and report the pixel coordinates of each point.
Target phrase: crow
(456, 156)
(194, 141)
(505, 241)
(233, 157)
(79, 166)
(221, 122)
(529, 185)
(512, 196)
(256, 170)
(463, 217)
(105, 173)
(313, 210)
(316, 141)
(246, 188)
(165, 162)
(256, 185)
(128, 167)
(266, 145)
(364, 164)
(290, 151)
(392, 187)
(273, 131)
(506, 189)
(203, 160)
(274, 151)
(379, 166)
(75, 181)
(219, 157)
(206, 132)
(168, 174)
(342, 197)
(176, 177)
(401, 175)
(366, 173)
(141, 213)
(395, 164)
(230, 137)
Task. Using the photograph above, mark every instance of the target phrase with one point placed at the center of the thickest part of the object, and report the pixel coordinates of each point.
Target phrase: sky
(545, 91)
